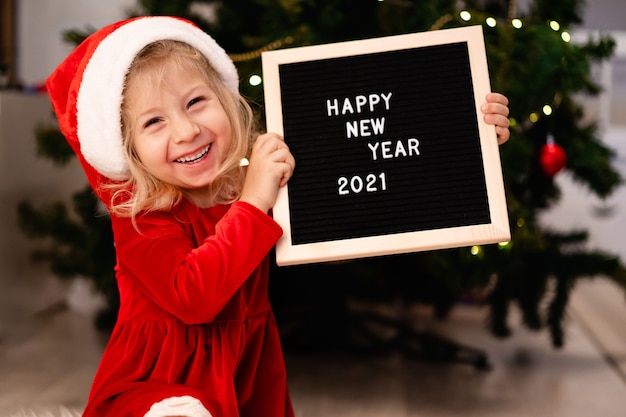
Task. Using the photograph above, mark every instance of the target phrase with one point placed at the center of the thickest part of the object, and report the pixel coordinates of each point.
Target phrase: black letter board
(392, 154)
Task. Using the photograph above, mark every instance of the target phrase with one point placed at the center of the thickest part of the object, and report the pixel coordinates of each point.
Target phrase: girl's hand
(496, 112)
(271, 166)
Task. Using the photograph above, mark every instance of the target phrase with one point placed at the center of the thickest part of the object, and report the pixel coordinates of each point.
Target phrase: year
(355, 185)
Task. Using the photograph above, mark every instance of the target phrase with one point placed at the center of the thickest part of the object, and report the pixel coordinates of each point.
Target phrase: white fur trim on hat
(100, 96)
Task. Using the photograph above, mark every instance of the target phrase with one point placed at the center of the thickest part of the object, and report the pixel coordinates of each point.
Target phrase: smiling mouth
(194, 158)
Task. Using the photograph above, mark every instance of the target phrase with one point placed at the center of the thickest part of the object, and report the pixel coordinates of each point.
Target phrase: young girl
(151, 107)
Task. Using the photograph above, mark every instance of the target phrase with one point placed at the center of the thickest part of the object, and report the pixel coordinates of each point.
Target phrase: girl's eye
(152, 121)
(194, 101)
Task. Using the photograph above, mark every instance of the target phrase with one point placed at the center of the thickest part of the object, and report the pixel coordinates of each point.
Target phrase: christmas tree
(531, 61)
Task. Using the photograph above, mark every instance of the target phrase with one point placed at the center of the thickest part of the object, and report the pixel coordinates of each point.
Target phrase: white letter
(374, 100)
(365, 130)
(360, 102)
(386, 149)
(373, 147)
(387, 98)
(378, 125)
(347, 107)
(413, 144)
(400, 151)
(332, 108)
(351, 129)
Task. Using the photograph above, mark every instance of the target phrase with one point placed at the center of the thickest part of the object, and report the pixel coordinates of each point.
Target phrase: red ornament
(552, 157)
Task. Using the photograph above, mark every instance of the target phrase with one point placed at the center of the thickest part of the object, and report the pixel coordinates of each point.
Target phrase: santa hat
(86, 89)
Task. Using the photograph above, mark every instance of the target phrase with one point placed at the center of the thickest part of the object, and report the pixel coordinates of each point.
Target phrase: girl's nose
(184, 129)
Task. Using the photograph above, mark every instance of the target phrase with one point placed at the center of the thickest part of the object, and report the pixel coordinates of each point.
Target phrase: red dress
(195, 317)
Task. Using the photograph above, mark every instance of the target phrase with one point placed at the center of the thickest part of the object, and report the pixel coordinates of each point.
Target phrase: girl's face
(180, 131)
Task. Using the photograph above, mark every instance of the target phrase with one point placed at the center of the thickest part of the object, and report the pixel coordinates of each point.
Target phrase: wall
(25, 176)
(41, 24)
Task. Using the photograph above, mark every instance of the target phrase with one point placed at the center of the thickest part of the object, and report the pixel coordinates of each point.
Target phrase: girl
(151, 107)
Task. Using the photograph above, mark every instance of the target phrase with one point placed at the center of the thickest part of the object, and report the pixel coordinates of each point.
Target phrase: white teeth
(194, 158)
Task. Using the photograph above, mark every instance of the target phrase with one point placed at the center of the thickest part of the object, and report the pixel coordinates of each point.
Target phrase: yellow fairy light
(475, 250)
(547, 110)
(255, 80)
(533, 117)
(465, 15)
(491, 22)
(517, 23)
(555, 25)
(566, 36)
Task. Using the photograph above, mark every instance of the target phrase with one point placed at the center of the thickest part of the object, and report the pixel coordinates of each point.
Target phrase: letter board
(392, 154)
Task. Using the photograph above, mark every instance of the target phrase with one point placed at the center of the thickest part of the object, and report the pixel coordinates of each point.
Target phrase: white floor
(528, 378)
(47, 361)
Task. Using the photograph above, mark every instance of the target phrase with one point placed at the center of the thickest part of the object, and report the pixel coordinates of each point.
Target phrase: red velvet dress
(195, 317)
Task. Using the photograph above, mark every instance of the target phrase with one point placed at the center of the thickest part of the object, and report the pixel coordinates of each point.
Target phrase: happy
(358, 104)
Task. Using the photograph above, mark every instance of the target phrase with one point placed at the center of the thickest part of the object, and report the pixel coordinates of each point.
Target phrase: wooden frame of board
(392, 153)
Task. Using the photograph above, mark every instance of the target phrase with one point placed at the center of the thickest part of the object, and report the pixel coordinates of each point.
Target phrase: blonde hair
(142, 192)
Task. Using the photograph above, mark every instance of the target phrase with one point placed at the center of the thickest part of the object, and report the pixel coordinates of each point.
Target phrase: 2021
(356, 184)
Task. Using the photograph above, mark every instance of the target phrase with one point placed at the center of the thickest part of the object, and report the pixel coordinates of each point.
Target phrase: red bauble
(552, 158)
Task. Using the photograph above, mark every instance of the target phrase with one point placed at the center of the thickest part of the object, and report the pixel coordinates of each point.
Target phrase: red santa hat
(86, 88)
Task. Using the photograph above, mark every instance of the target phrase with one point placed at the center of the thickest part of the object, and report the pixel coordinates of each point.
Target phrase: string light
(441, 21)
(249, 56)
(517, 23)
(547, 110)
(255, 80)
(504, 245)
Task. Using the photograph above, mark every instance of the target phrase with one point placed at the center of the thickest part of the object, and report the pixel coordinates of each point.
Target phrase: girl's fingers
(496, 112)
(495, 108)
(497, 98)
(503, 134)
